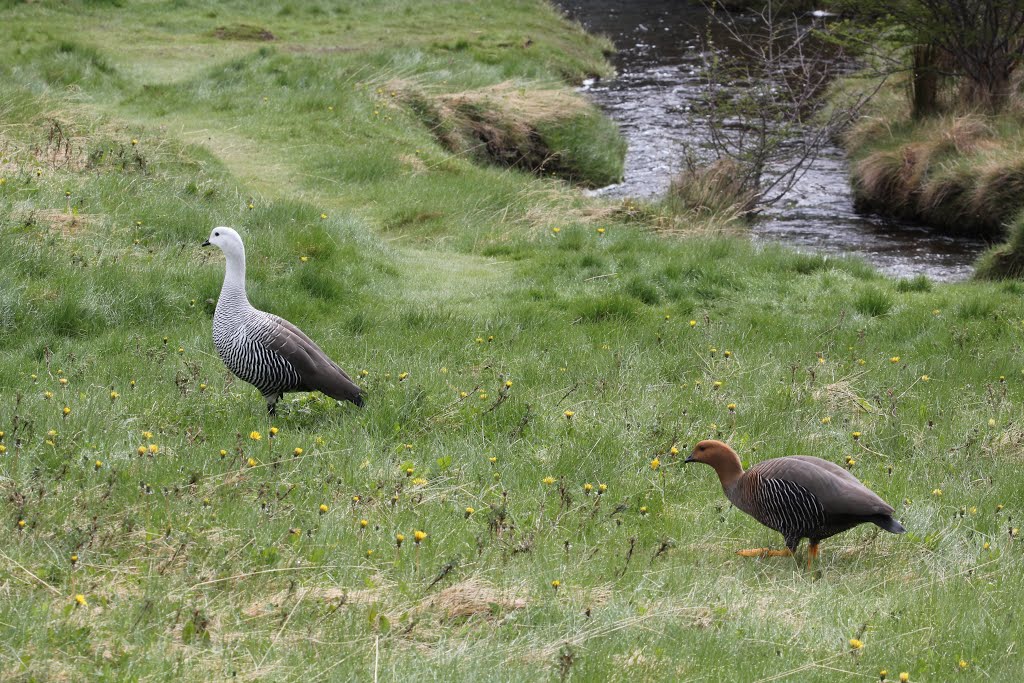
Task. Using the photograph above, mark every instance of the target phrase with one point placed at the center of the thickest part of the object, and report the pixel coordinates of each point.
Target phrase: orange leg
(812, 552)
(763, 552)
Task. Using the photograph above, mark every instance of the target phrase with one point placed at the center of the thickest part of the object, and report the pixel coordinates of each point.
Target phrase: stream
(658, 79)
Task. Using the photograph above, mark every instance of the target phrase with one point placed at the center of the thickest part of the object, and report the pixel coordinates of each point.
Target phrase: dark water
(657, 83)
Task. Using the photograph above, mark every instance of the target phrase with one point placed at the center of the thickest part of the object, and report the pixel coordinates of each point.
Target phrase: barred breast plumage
(266, 350)
(798, 496)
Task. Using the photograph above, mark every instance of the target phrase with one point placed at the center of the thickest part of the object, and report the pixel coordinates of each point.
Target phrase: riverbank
(961, 172)
(537, 365)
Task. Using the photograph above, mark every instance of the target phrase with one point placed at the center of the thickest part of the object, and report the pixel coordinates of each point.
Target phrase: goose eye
(216, 234)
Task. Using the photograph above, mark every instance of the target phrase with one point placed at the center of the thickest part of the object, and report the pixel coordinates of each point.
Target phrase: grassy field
(537, 365)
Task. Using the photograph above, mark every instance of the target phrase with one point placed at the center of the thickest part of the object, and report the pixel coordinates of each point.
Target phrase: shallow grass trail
(537, 365)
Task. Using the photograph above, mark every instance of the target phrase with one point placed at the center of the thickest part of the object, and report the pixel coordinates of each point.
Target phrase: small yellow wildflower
(469, 511)
(74, 558)
(556, 584)
(882, 674)
(402, 376)
(21, 524)
(861, 361)
(508, 384)
(463, 394)
(255, 436)
(986, 545)
(483, 396)
(855, 435)
(114, 395)
(419, 536)
(3, 449)
(600, 231)
(655, 464)
(894, 359)
(363, 523)
(147, 435)
(693, 323)
(601, 488)
(364, 373)
(556, 230)
(825, 420)
(153, 448)
(98, 464)
(568, 414)
(962, 664)
(369, 553)
(181, 349)
(141, 450)
(493, 460)
(588, 487)
(399, 539)
(323, 216)
(712, 350)
(297, 452)
(63, 381)
(999, 507)
(274, 431)
(731, 407)
(251, 462)
(936, 492)
(409, 471)
(479, 340)
(419, 481)
(643, 510)
(727, 354)
(223, 453)
(991, 422)
(356, 499)
(718, 385)
(324, 509)
(925, 378)
(856, 644)
(81, 601)
(66, 411)
(549, 480)
(904, 677)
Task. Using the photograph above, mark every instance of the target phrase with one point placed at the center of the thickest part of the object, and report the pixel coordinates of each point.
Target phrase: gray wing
(317, 371)
(839, 492)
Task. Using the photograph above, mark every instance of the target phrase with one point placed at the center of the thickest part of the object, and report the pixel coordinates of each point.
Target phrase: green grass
(418, 260)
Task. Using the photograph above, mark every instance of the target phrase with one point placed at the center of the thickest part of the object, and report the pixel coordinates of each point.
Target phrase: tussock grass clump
(712, 192)
(1005, 260)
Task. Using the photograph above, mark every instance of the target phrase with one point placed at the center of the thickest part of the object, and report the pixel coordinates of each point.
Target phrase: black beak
(689, 459)
(206, 243)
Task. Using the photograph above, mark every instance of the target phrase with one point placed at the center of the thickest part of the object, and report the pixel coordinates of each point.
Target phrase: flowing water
(658, 62)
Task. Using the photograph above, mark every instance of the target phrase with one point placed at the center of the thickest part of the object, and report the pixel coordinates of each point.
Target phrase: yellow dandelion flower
(712, 350)
(825, 420)
(98, 464)
(356, 499)
(21, 524)
(251, 462)
(364, 373)
(856, 644)
(882, 674)
(74, 558)
(402, 376)
(904, 677)
(936, 492)
(655, 464)
(693, 323)
(568, 414)
(548, 480)
(419, 481)
(600, 231)
(369, 553)
(3, 449)
(673, 451)
(668, 317)
(556, 584)
(141, 450)
(297, 452)
(479, 340)
(601, 488)
(469, 511)
(399, 539)
(463, 394)
(409, 471)
(861, 361)
(894, 359)
(731, 407)
(556, 230)
(986, 545)
(925, 378)
(855, 435)
(588, 487)
(962, 664)
(363, 523)
(324, 509)
(274, 431)
(63, 381)
(483, 396)
(718, 385)
(323, 216)
(493, 460)
(153, 448)
(991, 421)
(223, 453)
(66, 411)
(147, 435)
(419, 536)
(999, 507)
(508, 384)
(114, 395)
(643, 510)
(81, 601)
(255, 436)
